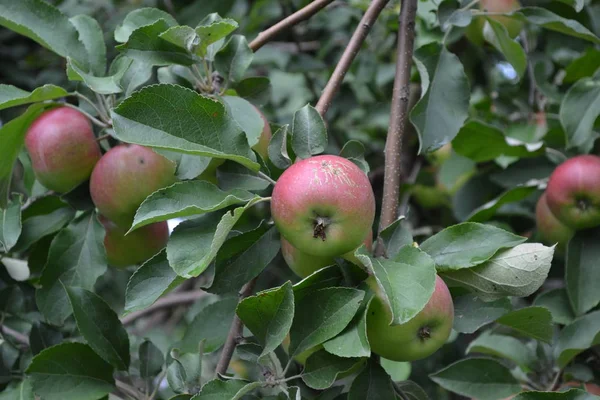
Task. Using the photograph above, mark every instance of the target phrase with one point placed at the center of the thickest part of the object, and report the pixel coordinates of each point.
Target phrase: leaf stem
(398, 117)
(91, 118)
(266, 177)
(356, 41)
(128, 389)
(18, 336)
(86, 99)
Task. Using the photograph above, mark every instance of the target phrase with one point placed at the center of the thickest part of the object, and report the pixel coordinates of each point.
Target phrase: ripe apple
(549, 227)
(304, 264)
(591, 388)
(418, 338)
(323, 205)
(124, 177)
(62, 148)
(573, 192)
(136, 247)
(513, 26)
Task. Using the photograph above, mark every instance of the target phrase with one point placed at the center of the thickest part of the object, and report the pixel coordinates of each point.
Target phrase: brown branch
(167, 301)
(356, 41)
(398, 116)
(235, 332)
(286, 23)
(18, 336)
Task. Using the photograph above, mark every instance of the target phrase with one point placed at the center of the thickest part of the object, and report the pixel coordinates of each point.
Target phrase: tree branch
(286, 23)
(235, 332)
(398, 116)
(167, 301)
(356, 41)
(18, 336)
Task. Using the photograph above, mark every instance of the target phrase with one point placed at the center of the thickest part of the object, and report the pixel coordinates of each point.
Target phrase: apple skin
(591, 388)
(303, 264)
(513, 26)
(573, 192)
(63, 148)
(124, 177)
(323, 205)
(549, 227)
(416, 339)
(136, 247)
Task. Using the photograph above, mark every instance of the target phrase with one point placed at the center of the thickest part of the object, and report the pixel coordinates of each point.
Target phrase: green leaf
(577, 337)
(17, 269)
(39, 226)
(397, 370)
(234, 58)
(10, 225)
(145, 44)
(220, 390)
(437, 119)
(12, 96)
(176, 377)
(12, 135)
(103, 85)
(578, 112)
(70, 371)
(373, 383)
(247, 117)
(76, 258)
(471, 313)
(354, 151)
(175, 118)
(321, 316)
(243, 258)
(256, 89)
(496, 34)
(92, 37)
(212, 324)
(549, 20)
(489, 209)
(212, 32)
(557, 302)
(43, 336)
(322, 369)
(584, 66)
(481, 378)
(278, 153)
(309, 134)
(181, 36)
(395, 236)
(411, 390)
(21, 391)
(45, 24)
(195, 243)
(138, 18)
(151, 359)
(353, 340)
(519, 271)
(407, 286)
(100, 327)
(324, 278)
(231, 176)
(451, 14)
(581, 272)
(573, 394)
(269, 315)
(149, 282)
(504, 347)
(185, 199)
(467, 245)
(482, 142)
(535, 322)
(136, 75)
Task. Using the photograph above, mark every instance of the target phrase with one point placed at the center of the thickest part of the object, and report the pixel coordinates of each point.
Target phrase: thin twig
(398, 117)
(356, 41)
(235, 332)
(157, 386)
(267, 178)
(167, 301)
(297, 17)
(86, 99)
(102, 137)
(18, 336)
(128, 389)
(93, 119)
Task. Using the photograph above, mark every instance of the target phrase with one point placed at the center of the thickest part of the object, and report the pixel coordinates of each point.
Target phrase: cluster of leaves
(188, 92)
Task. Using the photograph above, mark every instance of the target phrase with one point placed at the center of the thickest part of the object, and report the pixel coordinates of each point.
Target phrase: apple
(591, 388)
(549, 227)
(124, 177)
(573, 192)
(418, 338)
(138, 246)
(513, 26)
(304, 264)
(63, 148)
(323, 205)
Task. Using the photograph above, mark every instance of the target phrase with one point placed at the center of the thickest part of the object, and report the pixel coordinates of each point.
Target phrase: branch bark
(303, 14)
(167, 301)
(398, 117)
(235, 332)
(356, 41)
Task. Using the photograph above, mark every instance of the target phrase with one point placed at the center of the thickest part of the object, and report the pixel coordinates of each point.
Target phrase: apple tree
(349, 200)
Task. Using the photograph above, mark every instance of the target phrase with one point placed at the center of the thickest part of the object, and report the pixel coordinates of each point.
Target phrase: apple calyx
(321, 224)
(424, 333)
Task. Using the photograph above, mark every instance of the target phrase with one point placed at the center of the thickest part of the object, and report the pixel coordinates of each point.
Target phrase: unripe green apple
(138, 246)
(304, 264)
(323, 205)
(513, 26)
(418, 338)
(124, 177)
(549, 227)
(62, 148)
(573, 192)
